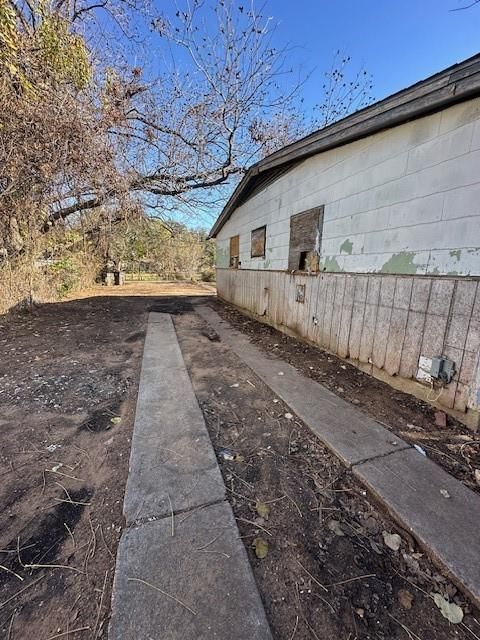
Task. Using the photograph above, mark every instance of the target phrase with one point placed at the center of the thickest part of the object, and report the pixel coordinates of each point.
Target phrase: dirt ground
(328, 573)
(68, 383)
(454, 447)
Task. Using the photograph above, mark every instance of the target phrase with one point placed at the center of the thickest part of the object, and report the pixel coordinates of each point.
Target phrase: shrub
(208, 275)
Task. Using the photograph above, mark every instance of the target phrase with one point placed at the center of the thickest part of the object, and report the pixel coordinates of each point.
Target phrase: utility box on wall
(300, 293)
(442, 369)
(438, 368)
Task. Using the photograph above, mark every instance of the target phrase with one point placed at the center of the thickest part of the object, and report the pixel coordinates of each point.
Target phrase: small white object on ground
(392, 540)
(336, 527)
(226, 454)
(420, 450)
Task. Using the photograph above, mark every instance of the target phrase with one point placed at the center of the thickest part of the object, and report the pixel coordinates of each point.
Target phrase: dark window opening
(234, 252)
(308, 261)
(258, 242)
(302, 263)
(305, 240)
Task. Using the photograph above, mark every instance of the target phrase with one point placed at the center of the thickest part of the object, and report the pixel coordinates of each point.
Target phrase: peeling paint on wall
(329, 263)
(346, 247)
(402, 263)
(457, 253)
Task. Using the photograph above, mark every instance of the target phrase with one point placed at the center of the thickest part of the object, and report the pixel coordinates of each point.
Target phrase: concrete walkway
(182, 571)
(406, 482)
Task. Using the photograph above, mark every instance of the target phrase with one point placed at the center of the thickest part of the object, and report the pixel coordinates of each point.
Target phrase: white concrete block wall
(406, 200)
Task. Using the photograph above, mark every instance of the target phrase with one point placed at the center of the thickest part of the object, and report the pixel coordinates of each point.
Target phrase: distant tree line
(169, 250)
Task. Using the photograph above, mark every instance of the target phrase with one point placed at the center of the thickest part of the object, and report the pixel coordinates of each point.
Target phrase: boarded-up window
(258, 242)
(234, 251)
(305, 240)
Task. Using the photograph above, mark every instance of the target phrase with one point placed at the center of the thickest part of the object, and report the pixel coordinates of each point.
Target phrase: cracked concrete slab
(409, 484)
(350, 434)
(200, 583)
(172, 462)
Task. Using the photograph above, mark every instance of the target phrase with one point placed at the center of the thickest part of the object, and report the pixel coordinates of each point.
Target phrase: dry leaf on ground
(392, 540)
(405, 598)
(261, 548)
(262, 509)
(449, 610)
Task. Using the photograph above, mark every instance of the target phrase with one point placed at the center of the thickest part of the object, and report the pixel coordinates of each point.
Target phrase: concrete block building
(364, 238)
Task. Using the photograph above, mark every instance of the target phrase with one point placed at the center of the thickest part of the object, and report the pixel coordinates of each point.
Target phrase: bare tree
(346, 89)
(467, 6)
(195, 125)
(81, 129)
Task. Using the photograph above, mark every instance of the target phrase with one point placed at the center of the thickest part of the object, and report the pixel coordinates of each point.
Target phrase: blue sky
(398, 42)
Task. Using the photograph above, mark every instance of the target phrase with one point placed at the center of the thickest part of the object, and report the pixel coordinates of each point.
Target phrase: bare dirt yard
(68, 381)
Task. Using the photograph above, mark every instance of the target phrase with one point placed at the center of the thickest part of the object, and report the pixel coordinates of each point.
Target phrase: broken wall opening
(305, 240)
